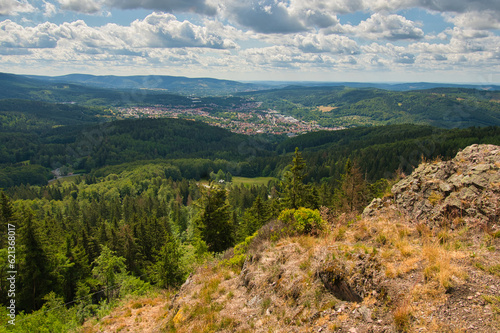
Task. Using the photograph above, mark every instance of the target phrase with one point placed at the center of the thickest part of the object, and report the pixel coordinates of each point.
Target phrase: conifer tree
(295, 193)
(216, 225)
(254, 218)
(169, 266)
(34, 271)
(353, 190)
(109, 269)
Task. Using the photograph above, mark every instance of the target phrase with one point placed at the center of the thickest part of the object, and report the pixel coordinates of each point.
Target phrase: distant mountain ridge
(407, 86)
(172, 84)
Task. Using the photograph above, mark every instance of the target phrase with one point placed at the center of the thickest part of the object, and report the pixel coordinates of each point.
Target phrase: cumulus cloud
(318, 43)
(266, 16)
(279, 16)
(284, 57)
(13, 7)
(391, 27)
(457, 6)
(157, 30)
(49, 9)
(484, 20)
(13, 35)
(405, 58)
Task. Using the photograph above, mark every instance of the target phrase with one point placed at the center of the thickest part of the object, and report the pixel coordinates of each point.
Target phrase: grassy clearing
(66, 179)
(252, 181)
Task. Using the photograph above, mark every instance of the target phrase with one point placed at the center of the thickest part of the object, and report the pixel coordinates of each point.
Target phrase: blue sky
(314, 40)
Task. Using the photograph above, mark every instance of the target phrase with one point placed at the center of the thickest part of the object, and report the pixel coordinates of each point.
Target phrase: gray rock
(467, 185)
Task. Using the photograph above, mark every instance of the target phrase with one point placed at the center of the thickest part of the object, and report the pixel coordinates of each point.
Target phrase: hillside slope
(349, 107)
(384, 272)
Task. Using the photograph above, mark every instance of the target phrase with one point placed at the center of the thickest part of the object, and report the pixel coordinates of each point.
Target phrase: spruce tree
(353, 189)
(295, 193)
(216, 225)
(169, 266)
(34, 271)
(254, 218)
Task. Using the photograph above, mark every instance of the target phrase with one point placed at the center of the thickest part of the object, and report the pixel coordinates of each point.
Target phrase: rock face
(466, 187)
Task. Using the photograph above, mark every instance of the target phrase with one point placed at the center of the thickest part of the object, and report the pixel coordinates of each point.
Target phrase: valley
(184, 213)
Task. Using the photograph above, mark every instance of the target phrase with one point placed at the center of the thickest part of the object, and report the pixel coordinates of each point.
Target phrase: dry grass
(402, 315)
(439, 266)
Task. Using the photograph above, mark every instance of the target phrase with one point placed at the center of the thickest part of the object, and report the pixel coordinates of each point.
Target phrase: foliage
(440, 107)
(170, 272)
(109, 270)
(303, 220)
(140, 211)
(353, 189)
(240, 252)
(215, 223)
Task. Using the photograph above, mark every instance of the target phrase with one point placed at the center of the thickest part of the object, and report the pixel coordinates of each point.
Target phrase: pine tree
(215, 220)
(353, 190)
(295, 193)
(35, 277)
(169, 267)
(254, 218)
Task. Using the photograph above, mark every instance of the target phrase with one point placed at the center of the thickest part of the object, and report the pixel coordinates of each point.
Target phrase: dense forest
(343, 106)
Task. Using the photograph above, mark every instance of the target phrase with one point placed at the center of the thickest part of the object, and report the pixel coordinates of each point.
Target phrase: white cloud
(318, 43)
(284, 57)
(266, 16)
(13, 7)
(49, 9)
(160, 30)
(157, 30)
(391, 27)
(13, 35)
(484, 20)
(457, 6)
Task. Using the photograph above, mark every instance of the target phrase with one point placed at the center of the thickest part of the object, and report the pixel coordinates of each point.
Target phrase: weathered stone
(468, 186)
(445, 187)
(453, 201)
(365, 313)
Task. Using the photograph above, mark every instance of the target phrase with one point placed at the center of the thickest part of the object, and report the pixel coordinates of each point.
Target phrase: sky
(456, 41)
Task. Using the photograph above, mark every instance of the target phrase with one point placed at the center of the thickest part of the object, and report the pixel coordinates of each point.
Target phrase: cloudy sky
(322, 40)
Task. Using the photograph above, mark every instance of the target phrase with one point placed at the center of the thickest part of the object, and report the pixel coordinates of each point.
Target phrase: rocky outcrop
(466, 188)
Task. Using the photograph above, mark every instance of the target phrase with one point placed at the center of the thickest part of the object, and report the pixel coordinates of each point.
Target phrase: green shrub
(303, 220)
(239, 253)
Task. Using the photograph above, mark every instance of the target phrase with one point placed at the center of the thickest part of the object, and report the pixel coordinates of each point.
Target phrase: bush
(240, 252)
(303, 220)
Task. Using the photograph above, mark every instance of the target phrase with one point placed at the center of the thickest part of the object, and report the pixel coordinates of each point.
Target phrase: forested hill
(328, 106)
(20, 87)
(380, 151)
(172, 84)
(344, 106)
(26, 156)
(18, 115)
